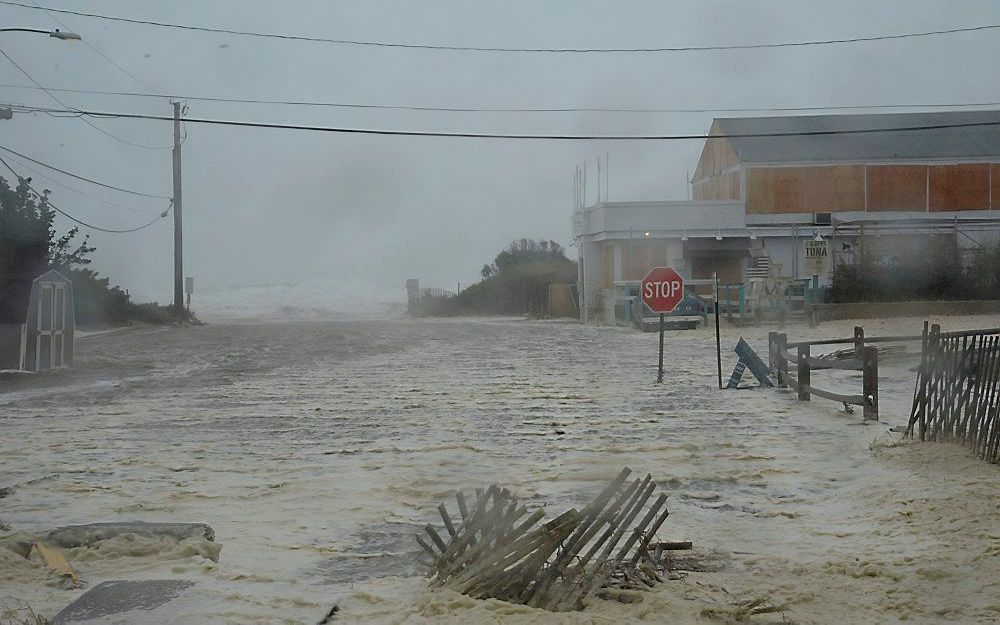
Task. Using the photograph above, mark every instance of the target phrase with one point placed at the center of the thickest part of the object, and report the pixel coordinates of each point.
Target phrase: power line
(80, 221)
(501, 109)
(86, 121)
(81, 192)
(491, 135)
(98, 52)
(456, 48)
(556, 137)
(85, 179)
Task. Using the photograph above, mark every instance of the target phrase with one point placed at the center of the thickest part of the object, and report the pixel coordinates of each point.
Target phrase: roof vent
(822, 219)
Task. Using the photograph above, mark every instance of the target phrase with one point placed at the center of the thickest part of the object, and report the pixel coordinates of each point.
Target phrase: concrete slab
(124, 602)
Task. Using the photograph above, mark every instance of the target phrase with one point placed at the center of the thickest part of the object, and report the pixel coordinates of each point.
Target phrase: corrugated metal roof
(938, 143)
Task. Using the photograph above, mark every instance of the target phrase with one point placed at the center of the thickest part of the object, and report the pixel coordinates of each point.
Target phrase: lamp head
(65, 36)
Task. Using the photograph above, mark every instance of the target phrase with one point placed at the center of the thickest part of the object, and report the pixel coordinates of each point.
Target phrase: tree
(28, 243)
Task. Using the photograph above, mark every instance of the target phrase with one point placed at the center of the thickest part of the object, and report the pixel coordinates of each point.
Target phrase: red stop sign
(662, 289)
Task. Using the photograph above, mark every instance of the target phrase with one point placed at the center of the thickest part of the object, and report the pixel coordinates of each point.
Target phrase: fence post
(729, 302)
(869, 367)
(780, 347)
(743, 304)
(772, 360)
(804, 373)
(859, 342)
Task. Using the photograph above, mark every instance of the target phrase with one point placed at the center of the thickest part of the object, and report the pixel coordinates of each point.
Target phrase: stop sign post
(661, 290)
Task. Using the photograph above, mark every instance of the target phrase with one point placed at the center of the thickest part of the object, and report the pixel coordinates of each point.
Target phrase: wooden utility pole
(178, 230)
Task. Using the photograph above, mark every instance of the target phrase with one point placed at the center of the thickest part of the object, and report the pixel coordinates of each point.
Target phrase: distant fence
(432, 292)
(957, 397)
(759, 300)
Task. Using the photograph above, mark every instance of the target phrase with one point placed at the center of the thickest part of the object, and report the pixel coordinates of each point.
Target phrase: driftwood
(497, 548)
(884, 352)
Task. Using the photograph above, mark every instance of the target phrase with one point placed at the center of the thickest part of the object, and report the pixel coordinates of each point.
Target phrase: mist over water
(312, 300)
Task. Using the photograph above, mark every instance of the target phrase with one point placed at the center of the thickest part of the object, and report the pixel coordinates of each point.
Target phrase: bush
(516, 283)
(930, 271)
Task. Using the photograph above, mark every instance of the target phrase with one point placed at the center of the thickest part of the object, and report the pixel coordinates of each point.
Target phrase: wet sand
(316, 450)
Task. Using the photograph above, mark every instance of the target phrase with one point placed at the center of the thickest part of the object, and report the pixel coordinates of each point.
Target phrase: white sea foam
(314, 300)
(299, 444)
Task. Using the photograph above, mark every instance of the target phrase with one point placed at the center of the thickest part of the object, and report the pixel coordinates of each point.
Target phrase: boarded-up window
(897, 187)
(820, 189)
(959, 187)
(995, 186)
(639, 256)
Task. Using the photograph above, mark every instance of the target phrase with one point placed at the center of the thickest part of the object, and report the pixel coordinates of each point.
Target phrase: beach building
(787, 197)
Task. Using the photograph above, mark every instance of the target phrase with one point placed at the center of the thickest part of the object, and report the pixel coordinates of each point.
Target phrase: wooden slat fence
(496, 548)
(957, 395)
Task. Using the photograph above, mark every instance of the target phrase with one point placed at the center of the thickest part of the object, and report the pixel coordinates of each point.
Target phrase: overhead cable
(73, 189)
(86, 121)
(556, 137)
(107, 58)
(80, 221)
(502, 109)
(83, 178)
(457, 48)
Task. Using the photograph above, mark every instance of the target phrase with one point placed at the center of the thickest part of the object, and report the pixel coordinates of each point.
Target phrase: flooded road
(317, 450)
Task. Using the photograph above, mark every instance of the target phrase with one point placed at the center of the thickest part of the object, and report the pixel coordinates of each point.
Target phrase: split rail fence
(957, 395)
(865, 359)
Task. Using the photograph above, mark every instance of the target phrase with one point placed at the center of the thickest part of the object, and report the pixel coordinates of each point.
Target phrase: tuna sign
(662, 289)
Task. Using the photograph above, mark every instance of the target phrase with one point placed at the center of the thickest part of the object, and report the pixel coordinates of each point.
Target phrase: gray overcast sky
(265, 206)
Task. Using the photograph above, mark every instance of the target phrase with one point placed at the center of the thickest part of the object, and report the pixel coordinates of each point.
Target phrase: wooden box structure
(43, 339)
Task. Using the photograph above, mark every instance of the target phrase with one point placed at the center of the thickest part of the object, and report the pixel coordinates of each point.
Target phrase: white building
(765, 192)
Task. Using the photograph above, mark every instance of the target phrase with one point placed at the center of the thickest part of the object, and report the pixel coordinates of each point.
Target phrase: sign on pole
(817, 257)
(661, 290)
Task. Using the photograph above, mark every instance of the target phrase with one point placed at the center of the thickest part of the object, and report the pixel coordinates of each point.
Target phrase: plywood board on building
(729, 268)
(608, 261)
(897, 187)
(959, 187)
(639, 257)
(812, 189)
(717, 155)
(995, 186)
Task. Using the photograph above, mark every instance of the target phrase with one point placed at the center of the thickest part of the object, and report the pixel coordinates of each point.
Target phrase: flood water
(316, 451)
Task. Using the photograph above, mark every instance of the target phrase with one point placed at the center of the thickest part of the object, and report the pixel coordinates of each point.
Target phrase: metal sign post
(718, 339)
(661, 290)
(659, 371)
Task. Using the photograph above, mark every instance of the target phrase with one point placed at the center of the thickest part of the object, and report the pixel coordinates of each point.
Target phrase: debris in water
(555, 565)
(56, 561)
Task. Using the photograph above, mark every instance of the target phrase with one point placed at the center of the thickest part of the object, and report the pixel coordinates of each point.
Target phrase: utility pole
(178, 230)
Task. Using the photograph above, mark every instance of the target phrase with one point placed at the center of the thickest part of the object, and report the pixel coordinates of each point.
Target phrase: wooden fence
(865, 359)
(553, 565)
(957, 396)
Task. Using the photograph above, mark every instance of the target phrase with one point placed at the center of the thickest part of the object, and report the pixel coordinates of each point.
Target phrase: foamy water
(316, 451)
(315, 300)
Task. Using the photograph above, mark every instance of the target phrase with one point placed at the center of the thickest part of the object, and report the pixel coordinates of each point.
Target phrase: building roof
(937, 143)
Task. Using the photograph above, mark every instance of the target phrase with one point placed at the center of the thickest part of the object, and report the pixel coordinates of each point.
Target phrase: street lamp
(58, 34)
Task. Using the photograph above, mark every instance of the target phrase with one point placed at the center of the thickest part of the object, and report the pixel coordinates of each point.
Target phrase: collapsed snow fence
(957, 395)
(487, 553)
